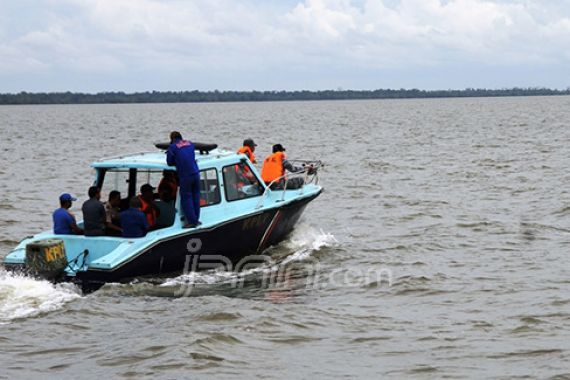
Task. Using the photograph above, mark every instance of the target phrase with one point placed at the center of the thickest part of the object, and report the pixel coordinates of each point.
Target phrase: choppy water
(440, 248)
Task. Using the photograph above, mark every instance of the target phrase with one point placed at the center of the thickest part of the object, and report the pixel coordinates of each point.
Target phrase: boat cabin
(225, 178)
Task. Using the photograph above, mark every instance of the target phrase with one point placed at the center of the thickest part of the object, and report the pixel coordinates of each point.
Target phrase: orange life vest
(248, 152)
(148, 211)
(273, 167)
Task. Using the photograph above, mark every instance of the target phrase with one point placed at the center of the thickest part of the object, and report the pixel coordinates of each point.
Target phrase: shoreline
(169, 97)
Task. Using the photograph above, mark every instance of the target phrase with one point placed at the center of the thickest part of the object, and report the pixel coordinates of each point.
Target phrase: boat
(241, 217)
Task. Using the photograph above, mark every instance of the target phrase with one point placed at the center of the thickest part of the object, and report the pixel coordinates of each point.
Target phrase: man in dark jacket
(181, 154)
(94, 215)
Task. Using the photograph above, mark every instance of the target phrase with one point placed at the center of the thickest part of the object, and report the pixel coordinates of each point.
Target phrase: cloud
(255, 36)
(432, 31)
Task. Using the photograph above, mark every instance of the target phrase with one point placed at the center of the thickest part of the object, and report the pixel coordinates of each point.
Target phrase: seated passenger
(148, 207)
(169, 179)
(273, 170)
(94, 216)
(165, 205)
(133, 220)
(248, 148)
(113, 210)
(63, 220)
(240, 181)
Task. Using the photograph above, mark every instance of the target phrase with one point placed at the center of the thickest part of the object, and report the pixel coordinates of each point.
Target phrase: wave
(26, 297)
(307, 240)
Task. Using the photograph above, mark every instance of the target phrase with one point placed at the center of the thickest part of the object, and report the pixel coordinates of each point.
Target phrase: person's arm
(170, 157)
(73, 225)
(75, 228)
(108, 215)
(293, 169)
(103, 214)
(109, 221)
(113, 227)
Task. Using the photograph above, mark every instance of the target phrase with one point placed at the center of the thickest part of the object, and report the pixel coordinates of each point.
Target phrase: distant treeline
(258, 96)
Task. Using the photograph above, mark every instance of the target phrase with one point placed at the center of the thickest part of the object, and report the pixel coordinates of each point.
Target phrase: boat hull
(231, 244)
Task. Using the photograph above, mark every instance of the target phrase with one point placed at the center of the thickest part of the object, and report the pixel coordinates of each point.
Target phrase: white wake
(25, 297)
(304, 241)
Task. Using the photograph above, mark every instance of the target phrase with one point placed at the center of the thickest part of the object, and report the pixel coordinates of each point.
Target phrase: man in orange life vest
(274, 167)
(148, 207)
(248, 148)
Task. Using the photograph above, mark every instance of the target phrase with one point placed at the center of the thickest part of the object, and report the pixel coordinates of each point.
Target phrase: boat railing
(309, 174)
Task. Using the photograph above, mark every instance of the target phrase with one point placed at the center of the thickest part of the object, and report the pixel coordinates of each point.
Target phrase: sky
(162, 45)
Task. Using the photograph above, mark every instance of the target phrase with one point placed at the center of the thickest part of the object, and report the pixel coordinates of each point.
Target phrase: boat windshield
(240, 182)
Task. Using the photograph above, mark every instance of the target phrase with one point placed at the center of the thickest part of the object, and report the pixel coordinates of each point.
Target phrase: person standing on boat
(181, 154)
(274, 167)
(63, 220)
(94, 215)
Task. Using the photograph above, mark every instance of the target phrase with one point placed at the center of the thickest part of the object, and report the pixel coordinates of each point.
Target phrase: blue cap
(66, 197)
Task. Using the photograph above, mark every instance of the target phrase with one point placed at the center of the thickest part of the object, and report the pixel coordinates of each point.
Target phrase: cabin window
(240, 182)
(209, 188)
(128, 182)
(116, 179)
(152, 177)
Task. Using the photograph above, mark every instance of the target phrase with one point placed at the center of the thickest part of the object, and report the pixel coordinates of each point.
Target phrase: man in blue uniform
(63, 220)
(133, 220)
(181, 154)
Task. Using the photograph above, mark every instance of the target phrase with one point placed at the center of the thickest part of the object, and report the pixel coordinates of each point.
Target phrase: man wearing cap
(181, 154)
(63, 220)
(274, 167)
(248, 148)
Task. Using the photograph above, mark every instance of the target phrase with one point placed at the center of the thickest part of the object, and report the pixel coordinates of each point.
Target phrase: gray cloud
(255, 44)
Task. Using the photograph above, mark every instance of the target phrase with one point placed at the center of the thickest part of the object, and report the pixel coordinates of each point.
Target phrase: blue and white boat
(238, 219)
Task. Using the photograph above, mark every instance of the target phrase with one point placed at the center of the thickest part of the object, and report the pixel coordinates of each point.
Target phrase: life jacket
(148, 211)
(248, 152)
(273, 167)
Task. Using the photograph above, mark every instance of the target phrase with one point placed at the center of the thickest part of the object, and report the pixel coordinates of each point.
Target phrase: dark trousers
(190, 197)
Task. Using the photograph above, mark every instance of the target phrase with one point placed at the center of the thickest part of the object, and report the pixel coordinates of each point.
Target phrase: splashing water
(25, 297)
(304, 241)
